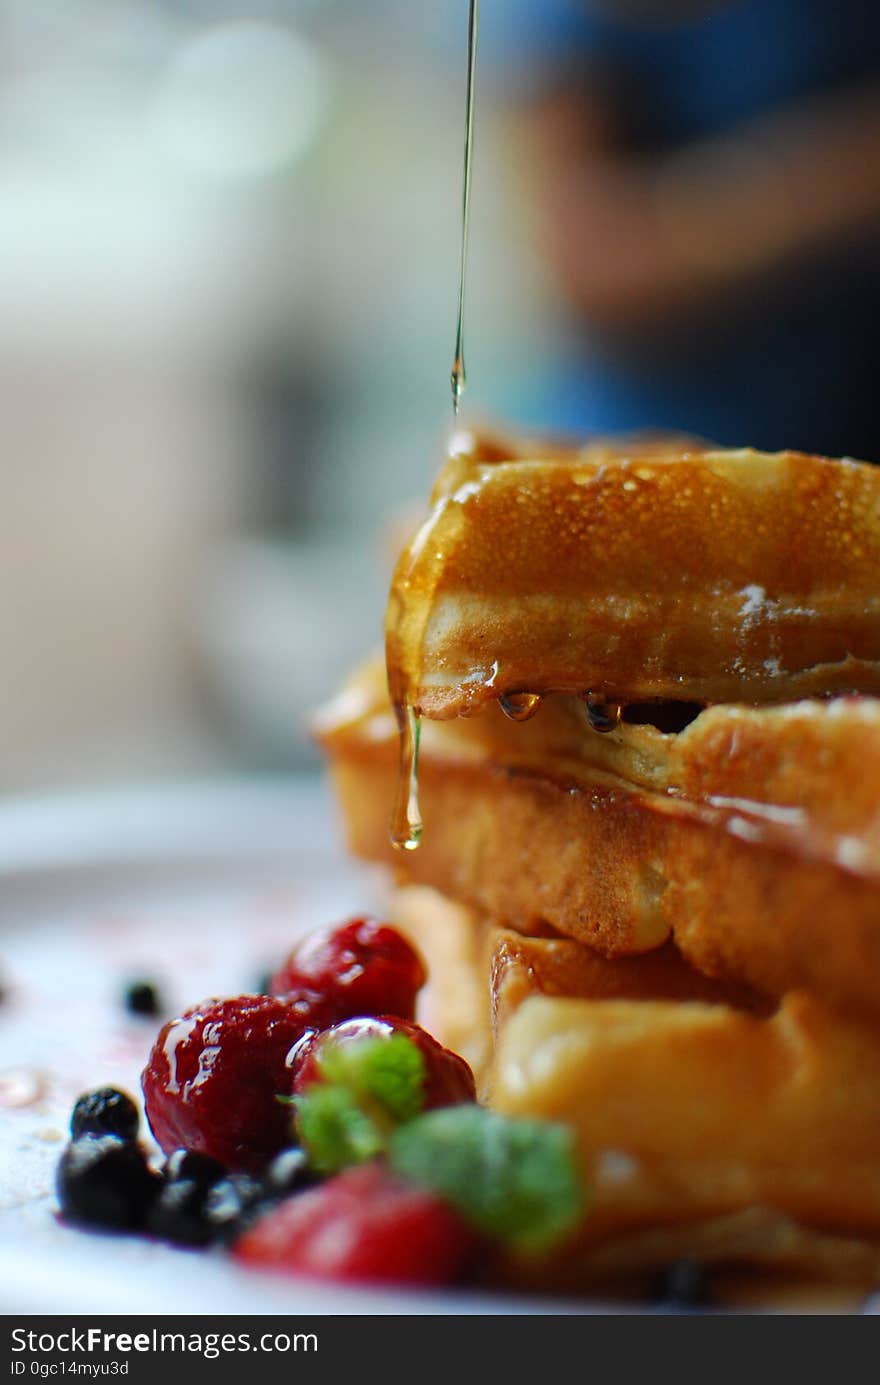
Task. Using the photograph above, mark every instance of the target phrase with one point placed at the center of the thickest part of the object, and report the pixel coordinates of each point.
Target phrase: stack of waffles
(642, 684)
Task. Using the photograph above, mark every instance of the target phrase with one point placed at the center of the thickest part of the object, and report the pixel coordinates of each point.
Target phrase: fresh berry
(106, 1111)
(178, 1214)
(447, 1081)
(232, 1204)
(362, 1225)
(288, 1173)
(364, 967)
(214, 1076)
(192, 1166)
(103, 1181)
(142, 998)
(193, 1212)
(683, 1284)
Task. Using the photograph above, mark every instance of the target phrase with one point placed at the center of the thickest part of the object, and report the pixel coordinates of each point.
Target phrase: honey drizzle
(458, 377)
(406, 818)
(520, 706)
(604, 716)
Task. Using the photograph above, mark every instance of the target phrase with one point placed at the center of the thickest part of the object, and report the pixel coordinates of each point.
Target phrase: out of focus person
(706, 175)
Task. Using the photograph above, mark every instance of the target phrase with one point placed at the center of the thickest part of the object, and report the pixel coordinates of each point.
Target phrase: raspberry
(213, 1078)
(448, 1079)
(363, 968)
(363, 1225)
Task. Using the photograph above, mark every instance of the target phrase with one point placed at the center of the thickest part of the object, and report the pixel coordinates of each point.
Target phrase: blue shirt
(793, 369)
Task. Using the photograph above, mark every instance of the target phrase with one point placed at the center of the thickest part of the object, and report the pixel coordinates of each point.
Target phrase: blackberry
(103, 1181)
(106, 1111)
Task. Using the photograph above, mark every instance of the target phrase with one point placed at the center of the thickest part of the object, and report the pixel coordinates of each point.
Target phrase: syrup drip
(520, 706)
(604, 716)
(458, 377)
(406, 819)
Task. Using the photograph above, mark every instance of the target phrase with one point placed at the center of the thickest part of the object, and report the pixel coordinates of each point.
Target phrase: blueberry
(193, 1166)
(683, 1284)
(178, 1213)
(190, 1212)
(288, 1172)
(232, 1204)
(142, 998)
(106, 1111)
(103, 1181)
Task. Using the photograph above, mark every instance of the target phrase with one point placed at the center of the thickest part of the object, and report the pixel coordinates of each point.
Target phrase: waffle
(705, 1130)
(753, 837)
(647, 676)
(711, 1123)
(701, 575)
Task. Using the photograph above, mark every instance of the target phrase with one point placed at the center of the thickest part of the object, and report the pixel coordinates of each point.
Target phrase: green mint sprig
(516, 1181)
(367, 1088)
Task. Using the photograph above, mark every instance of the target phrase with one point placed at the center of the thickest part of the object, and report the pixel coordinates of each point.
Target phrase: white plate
(201, 888)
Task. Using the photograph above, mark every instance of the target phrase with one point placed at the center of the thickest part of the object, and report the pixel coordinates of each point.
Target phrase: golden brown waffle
(652, 574)
(753, 836)
(710, 1124)
(687, 1113)
(520, 967)
(682, 930)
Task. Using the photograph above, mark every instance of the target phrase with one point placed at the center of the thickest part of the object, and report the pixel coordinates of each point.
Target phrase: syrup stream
(459, 376)
(406, 819)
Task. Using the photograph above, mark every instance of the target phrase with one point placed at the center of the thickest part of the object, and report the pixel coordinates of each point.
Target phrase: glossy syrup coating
(619, 840)
(638, 575)
(362, 967)
(448, 1078)
(214, 1076)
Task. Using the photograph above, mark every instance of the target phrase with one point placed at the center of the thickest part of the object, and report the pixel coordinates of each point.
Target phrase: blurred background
(228, 276)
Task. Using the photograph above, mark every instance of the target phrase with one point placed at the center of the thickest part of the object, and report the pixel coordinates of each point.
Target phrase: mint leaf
(390, 1071)
(515, 1180)
(334, 1130)
(368, 1085)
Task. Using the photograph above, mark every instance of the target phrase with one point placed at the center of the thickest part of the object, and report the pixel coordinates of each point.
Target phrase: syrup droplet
(520, 706)
(458, 377)
(604, 716)
(21, 1087)
(406, 819)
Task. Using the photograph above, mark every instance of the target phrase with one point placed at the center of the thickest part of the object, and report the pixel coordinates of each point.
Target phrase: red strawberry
(363, 1225)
